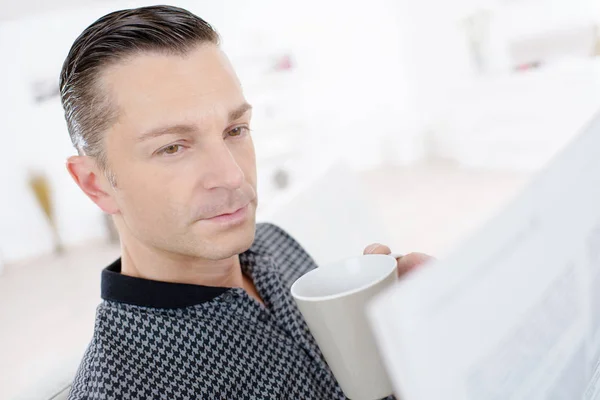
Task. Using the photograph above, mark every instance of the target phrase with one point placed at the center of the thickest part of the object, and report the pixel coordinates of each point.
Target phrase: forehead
(154, 88)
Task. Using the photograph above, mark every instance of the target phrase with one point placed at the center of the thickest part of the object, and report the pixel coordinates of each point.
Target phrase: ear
(87, 175)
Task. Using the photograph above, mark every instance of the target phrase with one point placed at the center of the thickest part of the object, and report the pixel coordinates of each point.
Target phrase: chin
(225, 243)
(242, 237)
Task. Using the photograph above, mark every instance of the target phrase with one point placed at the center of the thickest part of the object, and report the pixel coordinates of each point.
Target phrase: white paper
(514, 313)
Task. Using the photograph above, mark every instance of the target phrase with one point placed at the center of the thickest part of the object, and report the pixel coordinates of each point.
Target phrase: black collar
(148, 293)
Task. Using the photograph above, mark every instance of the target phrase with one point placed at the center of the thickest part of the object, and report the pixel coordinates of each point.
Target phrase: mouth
(235, 217)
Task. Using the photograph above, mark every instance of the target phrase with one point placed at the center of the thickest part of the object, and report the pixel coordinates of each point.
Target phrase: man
(198, 305)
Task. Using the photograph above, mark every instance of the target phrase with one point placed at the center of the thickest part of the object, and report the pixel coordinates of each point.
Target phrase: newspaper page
(514, 313)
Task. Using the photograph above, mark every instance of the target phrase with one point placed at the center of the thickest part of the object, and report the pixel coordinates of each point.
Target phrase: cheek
(151, 194)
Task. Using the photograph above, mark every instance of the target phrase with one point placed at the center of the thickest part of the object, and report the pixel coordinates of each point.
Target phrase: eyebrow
(233, 115)
(239, 112)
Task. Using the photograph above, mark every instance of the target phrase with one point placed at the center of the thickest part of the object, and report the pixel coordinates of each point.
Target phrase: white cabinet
(519, 122)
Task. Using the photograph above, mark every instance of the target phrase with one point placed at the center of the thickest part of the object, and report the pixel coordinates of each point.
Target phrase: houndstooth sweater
(159, 340)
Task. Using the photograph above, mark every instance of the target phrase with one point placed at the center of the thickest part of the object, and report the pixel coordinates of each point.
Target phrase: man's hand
(406, 263)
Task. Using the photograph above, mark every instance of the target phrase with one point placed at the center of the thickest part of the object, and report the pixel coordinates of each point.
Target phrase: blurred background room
(402, 122)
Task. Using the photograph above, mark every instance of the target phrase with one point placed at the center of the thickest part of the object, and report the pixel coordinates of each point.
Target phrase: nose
(221, 168)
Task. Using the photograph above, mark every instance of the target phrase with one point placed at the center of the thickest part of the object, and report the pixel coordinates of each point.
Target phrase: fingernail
(371, 248)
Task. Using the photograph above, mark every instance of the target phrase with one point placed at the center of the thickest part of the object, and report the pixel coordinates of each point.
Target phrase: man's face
(182, 154)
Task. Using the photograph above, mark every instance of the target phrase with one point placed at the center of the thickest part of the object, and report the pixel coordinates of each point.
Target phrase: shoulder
(95, 374)
(80, 387)
(288, 255)
(269, 236)
(272, 240)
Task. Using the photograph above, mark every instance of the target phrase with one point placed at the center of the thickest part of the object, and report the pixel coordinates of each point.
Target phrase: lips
(225, 214)
(229, 220)
(228, 213)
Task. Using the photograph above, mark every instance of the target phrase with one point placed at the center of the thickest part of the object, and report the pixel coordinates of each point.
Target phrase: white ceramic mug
(332, 300)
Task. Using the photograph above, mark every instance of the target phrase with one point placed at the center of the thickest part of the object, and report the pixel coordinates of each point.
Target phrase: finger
(377, 248)
(412, 261)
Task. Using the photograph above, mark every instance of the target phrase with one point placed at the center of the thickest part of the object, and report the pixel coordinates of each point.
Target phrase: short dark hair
(112, 38)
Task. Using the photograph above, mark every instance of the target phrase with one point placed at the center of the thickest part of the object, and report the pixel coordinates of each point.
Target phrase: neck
(146, 263)
(158, 266)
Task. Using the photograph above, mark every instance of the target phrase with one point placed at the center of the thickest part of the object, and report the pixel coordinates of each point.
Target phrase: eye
(170, 149)
(238, 131)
